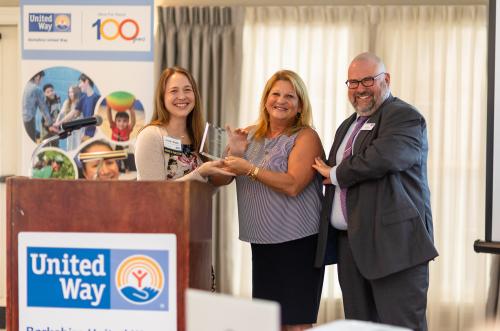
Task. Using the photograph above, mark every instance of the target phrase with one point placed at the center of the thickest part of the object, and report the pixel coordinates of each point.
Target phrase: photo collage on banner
(83, 63)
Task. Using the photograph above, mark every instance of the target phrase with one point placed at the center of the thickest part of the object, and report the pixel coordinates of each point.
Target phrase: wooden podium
(181, 208)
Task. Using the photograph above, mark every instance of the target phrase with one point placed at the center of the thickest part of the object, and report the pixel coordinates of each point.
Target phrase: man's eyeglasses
(366, 82)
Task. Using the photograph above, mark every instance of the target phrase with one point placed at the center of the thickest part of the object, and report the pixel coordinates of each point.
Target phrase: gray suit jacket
(388, 198)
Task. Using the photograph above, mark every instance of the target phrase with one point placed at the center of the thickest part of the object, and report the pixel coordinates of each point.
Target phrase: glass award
(214, 142)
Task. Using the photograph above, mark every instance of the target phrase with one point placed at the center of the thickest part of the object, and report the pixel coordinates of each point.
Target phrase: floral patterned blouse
(156, 161)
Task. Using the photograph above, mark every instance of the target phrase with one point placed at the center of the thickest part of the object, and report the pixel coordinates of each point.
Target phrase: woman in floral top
(166, 149)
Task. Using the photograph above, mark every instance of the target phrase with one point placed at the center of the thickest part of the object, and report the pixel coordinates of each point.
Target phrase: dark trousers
(397, 299)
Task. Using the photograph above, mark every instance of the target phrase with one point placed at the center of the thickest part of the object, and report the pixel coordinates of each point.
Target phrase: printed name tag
(172, 144)
(368, 126)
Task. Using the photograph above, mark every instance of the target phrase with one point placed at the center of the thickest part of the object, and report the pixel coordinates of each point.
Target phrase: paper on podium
(352, 325)
(207, 311)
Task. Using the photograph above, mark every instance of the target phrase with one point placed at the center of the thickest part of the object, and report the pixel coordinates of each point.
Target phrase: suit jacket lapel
(363, 134)
(339, 136)
(330, 189)
(375, 119)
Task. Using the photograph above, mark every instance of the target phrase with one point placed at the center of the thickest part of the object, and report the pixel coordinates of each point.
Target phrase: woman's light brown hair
(161, 116)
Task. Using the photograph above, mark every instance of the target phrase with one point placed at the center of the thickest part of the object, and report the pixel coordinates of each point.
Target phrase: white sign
(98, 28)
(80, 59)
(97, 281)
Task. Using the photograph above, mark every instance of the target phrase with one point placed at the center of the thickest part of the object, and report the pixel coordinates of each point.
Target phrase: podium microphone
(65, 131)
(80, 123)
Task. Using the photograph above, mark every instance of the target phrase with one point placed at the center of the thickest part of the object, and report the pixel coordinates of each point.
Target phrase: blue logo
(97, 278)
(45, 22)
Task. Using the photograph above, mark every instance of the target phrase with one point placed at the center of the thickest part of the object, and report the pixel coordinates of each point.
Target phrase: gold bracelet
(254, 173)
(249, 173)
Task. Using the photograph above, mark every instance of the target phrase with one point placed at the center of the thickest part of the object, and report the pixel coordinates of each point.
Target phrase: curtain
(493, 303)
(449, 86)
(437, 59)
(207, 42)
(316, 42)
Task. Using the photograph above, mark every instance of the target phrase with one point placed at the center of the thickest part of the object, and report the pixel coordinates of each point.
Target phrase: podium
(181, 208)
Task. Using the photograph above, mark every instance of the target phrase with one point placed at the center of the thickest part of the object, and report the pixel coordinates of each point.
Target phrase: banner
(96, 281)
(80, 60)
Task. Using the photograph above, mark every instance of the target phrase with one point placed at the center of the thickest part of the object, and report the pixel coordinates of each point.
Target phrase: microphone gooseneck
(80, 123)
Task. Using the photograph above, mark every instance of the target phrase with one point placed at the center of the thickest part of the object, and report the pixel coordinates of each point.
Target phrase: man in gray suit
(376, 217)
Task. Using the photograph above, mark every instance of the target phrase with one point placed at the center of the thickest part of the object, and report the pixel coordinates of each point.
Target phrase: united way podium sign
(73, 247)
(96, 281)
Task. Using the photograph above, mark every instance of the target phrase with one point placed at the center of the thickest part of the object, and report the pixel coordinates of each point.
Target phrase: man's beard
(366, 108)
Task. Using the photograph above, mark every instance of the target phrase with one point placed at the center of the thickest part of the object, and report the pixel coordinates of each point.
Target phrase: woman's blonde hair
(161, 116)
(304, 117)
(76, 93)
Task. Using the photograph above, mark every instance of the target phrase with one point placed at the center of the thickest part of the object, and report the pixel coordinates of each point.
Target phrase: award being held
(214, 142)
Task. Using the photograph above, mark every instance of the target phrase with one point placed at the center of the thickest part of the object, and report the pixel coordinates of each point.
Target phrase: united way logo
(97, 278)
(49, 22)
(139, 279)
(62, 22)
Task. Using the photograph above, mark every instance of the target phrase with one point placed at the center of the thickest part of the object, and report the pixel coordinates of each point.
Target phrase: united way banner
(75, 281)
(83, 60)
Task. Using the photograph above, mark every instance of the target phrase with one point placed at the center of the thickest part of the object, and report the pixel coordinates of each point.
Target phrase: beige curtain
(442, 71)
(207, 42)
(493, 303)
(316, 42)
(437, 59)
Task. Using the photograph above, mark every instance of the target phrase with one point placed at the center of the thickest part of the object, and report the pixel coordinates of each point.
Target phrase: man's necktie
(348, 152)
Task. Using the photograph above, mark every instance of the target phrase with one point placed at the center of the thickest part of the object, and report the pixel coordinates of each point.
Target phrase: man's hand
(323, 169)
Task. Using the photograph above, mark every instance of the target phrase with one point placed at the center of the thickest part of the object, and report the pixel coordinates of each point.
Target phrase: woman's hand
(237, 141)
(213, 168)
(237, 165)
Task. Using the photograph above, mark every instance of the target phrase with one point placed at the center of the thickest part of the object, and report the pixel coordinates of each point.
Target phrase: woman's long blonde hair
(69, 104)
(161, 116)
(302, 121)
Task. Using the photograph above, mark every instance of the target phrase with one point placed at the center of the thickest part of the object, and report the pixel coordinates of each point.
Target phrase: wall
(10, 123)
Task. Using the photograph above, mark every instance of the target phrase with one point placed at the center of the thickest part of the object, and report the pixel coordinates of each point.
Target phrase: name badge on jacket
(367, 127)
(172, 145)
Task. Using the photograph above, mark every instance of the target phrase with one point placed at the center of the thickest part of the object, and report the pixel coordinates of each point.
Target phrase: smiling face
(49, 93)
(282, 103)
(121, 123)
(109, 168)
(179, 96)
(366, 100)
